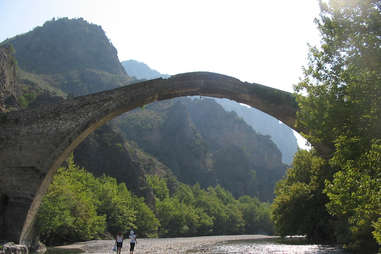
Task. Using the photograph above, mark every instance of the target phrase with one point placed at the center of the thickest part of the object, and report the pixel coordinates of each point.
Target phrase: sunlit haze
(256, 41)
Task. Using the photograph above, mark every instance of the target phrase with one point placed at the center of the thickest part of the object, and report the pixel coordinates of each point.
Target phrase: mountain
(106, 151)
(280, 134)
(140, 70)
(191, 139)
(261, 122)
(202, 143)
(64, 45)
(69, 56)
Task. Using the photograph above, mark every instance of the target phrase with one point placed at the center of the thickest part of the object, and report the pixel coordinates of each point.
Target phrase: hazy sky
(253, 40)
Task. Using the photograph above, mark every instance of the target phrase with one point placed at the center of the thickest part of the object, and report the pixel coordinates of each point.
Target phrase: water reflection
(273, 246)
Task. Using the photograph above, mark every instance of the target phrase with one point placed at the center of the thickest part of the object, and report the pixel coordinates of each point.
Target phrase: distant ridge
(141, 70)
(265, 124)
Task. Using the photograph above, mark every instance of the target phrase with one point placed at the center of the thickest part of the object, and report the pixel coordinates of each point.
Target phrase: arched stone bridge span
(34, 142)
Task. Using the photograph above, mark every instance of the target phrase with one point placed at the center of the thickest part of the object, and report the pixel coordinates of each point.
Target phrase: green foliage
(355, 197)
(146, 221)
(159, 186)
(172, 216)
(342, 79)
(192, 210)
(377, 230)
(340, 101)
(116, 203)
(257, 215)
(25, 99)
(69, 209)
(79, 206)
(297, 208)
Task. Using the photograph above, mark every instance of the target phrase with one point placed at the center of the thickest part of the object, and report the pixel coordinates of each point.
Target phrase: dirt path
(161, 245)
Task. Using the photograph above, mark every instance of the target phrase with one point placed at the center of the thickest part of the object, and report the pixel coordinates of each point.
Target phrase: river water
(270, 246)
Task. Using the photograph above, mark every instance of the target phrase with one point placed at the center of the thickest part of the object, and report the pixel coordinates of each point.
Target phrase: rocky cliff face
(7, 80)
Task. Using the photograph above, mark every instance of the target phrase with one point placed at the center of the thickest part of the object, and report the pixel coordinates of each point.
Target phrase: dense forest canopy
(336, 191)
(79, 207)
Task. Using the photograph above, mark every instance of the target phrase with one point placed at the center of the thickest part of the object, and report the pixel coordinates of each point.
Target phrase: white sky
(256, 41)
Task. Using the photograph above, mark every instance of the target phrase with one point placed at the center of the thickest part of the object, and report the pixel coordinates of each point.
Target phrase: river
(248, 244)
(270, 246)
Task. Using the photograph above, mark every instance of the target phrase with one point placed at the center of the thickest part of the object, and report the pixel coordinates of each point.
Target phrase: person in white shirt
(133, 241)
(119, 242)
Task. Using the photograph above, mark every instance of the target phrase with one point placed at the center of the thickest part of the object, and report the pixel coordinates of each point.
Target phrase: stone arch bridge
(34, 142)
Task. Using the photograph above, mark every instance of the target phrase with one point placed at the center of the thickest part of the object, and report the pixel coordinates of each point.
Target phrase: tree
(79, 207)
(355, 198)
(340, 102)
(299, 205)
(342, 79)
(116, 203)
(256, 216)
(159, 186)
(146, 222)
(69, 209)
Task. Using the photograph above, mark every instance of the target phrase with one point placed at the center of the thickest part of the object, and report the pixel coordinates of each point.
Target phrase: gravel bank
(192, 245)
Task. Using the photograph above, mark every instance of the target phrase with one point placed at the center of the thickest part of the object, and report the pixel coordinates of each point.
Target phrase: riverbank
(192, 245)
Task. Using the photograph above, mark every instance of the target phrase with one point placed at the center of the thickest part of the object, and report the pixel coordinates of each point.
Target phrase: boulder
(12, 248)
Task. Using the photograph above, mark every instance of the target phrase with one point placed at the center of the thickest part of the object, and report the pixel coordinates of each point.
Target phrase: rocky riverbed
(192, 245)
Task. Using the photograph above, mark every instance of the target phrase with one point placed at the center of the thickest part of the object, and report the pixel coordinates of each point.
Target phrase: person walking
(133, 241)
(119, 242)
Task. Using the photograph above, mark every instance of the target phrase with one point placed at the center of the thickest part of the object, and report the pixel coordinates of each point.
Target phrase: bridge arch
(35, 142)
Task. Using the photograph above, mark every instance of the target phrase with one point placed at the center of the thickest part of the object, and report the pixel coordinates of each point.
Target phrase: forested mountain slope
(265, 124)
(204, 144)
